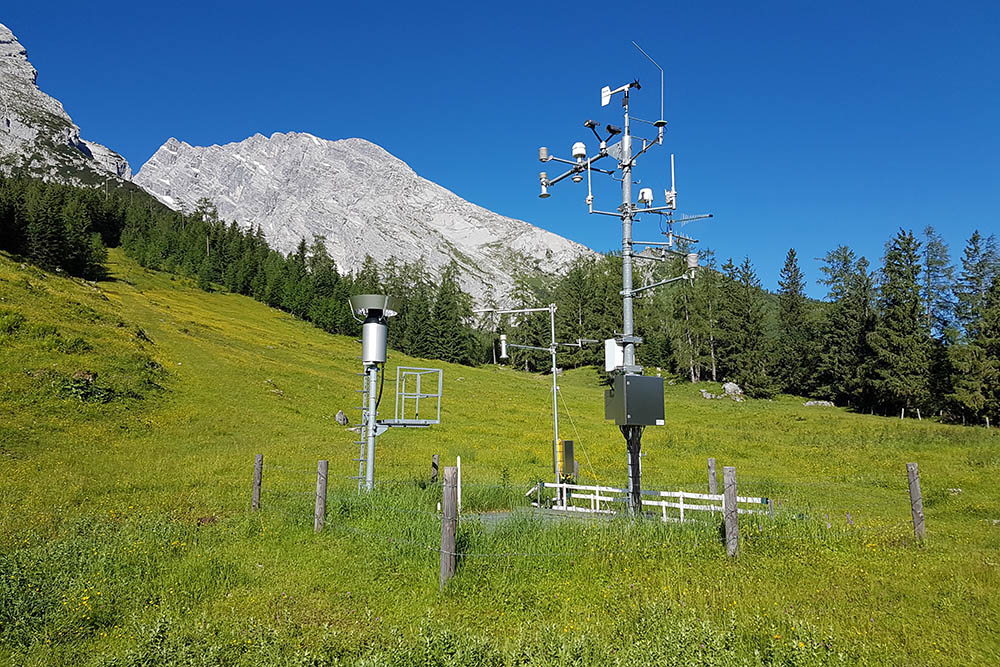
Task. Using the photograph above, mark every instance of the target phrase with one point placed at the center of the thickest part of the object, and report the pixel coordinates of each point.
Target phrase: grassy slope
(125, 534)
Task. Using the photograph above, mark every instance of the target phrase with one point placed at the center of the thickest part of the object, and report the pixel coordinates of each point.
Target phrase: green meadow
(131, 411)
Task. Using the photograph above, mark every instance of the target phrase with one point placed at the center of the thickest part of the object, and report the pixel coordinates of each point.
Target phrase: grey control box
(635, 400)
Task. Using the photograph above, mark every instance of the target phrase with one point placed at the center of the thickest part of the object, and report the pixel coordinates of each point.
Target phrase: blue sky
(798, 124)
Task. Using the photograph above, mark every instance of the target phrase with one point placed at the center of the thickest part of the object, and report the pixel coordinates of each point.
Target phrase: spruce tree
(979, 266)
(743, 344)
(418, 338)
(46, 233)
(936, 288)
(795, 353)
(452, 308)
(367, 280)
(989, 340)
(971, 382)
(899, 366)
(849, 319)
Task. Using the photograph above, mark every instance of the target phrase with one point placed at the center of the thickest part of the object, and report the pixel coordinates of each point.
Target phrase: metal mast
(634, 401)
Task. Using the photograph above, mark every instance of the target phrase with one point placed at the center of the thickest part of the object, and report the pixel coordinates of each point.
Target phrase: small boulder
(341, 418)
(820, 404)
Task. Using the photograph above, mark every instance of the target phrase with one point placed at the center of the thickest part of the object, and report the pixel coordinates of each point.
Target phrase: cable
(381, 386)
(577, 434)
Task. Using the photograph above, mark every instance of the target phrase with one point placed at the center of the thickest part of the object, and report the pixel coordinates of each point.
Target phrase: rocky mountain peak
(36, 133)
(360, 199)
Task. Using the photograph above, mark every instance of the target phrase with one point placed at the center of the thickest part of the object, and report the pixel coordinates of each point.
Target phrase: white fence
(602, 500)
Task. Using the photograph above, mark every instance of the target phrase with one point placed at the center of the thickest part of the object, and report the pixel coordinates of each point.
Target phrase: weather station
(562, 450)
(633, 401)
(413, 385)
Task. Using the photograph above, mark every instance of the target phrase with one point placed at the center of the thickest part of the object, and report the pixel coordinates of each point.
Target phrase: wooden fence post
(319, 516)
(449, 519)
(731, 512)
(916, 501)
(713, 481)
(434, 469)
(258, 475)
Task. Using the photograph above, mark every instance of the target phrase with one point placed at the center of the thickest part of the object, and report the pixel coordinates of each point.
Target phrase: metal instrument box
(635, 400)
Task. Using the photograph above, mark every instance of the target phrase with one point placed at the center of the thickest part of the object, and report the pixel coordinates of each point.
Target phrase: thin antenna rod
(661, 75)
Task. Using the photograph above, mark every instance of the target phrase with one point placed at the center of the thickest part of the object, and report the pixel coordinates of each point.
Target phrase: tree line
(434, 321)
(916, 334)
(68, 229)
(58, 227)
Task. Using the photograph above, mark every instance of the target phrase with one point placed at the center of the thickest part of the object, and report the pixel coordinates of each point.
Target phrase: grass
(130, 412)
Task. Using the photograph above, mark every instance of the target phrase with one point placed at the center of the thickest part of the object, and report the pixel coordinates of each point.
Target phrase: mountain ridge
(361, 199)
(37, 136)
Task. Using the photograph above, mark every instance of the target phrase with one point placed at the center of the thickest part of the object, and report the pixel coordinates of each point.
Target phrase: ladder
(363, 442)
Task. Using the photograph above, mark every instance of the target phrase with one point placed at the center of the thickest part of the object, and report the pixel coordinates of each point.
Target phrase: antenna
(660, 122)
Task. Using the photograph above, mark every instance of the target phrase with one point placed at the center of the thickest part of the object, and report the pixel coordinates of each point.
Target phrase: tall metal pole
(628, 324)
(555, 400)
(632, 434)
(370, 423)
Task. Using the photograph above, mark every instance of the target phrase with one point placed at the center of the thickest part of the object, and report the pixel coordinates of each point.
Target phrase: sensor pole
(631, 433)
(371, 421)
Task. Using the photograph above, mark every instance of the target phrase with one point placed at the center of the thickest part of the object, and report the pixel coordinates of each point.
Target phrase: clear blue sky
(798, 124)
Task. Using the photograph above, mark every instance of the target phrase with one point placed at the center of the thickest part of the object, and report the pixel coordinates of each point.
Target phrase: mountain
(361, 199)
(37, 136)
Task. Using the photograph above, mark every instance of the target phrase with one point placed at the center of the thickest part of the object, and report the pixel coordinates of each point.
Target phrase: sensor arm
(633, 292)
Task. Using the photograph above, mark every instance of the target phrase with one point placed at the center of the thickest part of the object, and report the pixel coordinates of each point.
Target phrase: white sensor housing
(646, 196)
(579, 150)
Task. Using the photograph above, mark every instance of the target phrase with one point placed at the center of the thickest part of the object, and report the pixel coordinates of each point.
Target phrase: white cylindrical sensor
(579, 150)
(503, 346)
(692, 260)
(543, 154)
(374, 334)
(646, 195)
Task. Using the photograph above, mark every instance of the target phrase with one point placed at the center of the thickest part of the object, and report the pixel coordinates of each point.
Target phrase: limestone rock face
(36, 133)
(361, 199)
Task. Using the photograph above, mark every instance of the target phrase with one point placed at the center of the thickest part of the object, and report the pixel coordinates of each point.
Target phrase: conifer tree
(419, 331)
(11, 211)
(989, 340)
(297, 289)
(741, 325)
(936, 289)
(46, 233)
(452, 308)
(899, 366)
(367, 280)
(795, 351)
(847, 324)
(980, 264)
